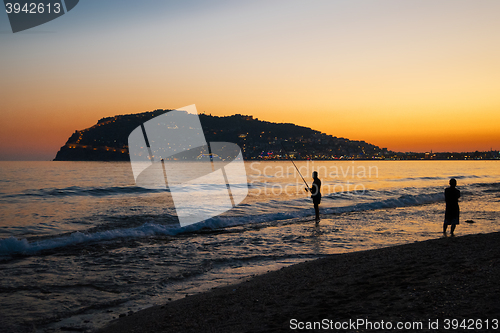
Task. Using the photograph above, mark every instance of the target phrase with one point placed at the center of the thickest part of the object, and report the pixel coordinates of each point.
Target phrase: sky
(413, 75)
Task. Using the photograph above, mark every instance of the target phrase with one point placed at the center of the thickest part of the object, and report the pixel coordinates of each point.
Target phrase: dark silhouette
(316, 194)
(108, 139)
(452, 213)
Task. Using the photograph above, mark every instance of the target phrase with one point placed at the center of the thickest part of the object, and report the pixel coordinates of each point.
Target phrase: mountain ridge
(258, 139)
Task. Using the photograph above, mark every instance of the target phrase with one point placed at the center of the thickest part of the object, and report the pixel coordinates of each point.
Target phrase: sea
(81, 244)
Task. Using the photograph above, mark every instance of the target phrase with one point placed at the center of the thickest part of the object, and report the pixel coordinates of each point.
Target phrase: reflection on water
(130, 252)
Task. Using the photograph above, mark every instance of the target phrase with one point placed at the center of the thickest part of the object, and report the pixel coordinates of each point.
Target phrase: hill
(107, 140)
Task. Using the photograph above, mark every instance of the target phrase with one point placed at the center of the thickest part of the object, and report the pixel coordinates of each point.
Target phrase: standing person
(452, 213)
(316, 193)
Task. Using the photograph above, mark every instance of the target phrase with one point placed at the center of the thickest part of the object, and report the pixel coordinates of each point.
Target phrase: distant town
(394, 156)
(259, 140)
(477, 155)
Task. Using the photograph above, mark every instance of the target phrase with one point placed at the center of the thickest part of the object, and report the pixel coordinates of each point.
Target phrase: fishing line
(286, 152)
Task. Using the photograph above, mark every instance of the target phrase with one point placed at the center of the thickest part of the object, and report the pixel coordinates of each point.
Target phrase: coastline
(434, 280)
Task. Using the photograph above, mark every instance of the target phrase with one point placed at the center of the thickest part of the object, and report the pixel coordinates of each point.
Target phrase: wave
(406, 200)
(434, 178)
(86, 191)
(490, 187)
(416, 178)
(12, 245)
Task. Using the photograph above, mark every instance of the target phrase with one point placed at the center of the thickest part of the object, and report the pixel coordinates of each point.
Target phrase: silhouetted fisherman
(316, 193)
(452, 213)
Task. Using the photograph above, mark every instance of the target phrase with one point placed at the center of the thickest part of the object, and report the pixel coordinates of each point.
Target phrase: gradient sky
(413, 75)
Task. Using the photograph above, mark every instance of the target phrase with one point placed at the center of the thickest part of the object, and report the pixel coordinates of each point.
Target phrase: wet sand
(446, 278)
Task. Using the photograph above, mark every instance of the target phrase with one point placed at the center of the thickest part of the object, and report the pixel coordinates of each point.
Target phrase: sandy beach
(442, 285)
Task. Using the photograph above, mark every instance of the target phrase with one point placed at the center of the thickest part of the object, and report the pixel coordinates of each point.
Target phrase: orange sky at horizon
(407, 77)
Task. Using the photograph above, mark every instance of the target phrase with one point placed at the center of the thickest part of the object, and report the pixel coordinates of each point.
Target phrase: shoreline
(438, 279)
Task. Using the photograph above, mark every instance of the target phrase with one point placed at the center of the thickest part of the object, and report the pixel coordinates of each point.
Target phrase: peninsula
(259, 140)
(107, 140)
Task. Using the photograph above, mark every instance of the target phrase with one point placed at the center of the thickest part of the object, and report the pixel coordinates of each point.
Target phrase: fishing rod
(286, 152)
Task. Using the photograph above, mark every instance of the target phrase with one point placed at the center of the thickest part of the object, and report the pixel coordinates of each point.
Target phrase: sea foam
(14, 245)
